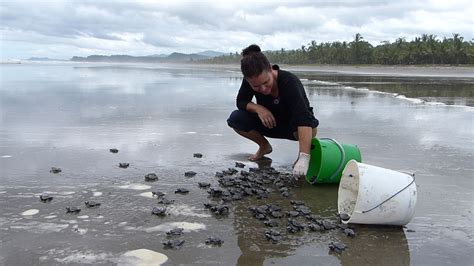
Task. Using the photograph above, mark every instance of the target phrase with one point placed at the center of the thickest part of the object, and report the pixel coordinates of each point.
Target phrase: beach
(415, 119)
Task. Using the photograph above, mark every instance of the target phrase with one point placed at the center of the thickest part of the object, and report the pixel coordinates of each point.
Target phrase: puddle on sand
(188, 227)
(147, 194)
(135, 186)
(30, 212)
(185, 210)
(142, 257)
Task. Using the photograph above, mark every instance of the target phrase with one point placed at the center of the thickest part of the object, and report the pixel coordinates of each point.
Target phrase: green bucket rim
(313, 179)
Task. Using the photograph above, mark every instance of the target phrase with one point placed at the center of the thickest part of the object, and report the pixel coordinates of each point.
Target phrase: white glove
(302, 164)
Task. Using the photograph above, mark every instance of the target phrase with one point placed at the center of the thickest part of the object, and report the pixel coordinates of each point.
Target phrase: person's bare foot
(261, 152)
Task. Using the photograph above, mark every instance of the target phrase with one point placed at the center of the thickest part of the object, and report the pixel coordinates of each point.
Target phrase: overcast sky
(62, 29)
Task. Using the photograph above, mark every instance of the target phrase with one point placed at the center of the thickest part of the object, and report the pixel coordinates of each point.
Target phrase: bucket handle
(341, 164)
(413, 181)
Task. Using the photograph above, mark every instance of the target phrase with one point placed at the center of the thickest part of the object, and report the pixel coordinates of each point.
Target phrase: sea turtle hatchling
(214, 241)
(239, 165)
(204, 184)
(220, 209)
(173, 243)
(55, 170)
(190, 173)
(337, 247)
(91, 204)
(158, 194)
(151, 177)
(113, 150)
(175, 232)
(273, 236)
(159, 211)
(197, 155)
(181, 191)
(124, 165)
(165, 201)
(45, 197)
(72, 210)
(349, 232)
(344, 216)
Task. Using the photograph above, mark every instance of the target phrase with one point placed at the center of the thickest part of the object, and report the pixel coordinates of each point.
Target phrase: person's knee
(240, 120)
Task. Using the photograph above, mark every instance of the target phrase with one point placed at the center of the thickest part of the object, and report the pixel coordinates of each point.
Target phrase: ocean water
(70, 115)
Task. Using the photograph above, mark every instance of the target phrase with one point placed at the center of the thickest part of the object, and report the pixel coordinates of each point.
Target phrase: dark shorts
(246, 121)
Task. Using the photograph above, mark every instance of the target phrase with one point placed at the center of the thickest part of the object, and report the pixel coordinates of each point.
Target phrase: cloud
(153, 27)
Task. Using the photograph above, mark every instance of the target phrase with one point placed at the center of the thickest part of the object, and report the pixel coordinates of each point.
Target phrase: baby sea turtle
(181, 191)
(292, 213)
(159, 211)
(272, 235)
(209, 205)
(343, 226)
(189, 173)
(91, 204)
(204, 185)
(151, 177)
(294, 226)
(158, 194)
(114, 150)
(270, 223)
(296, 202)
(197, 155)
(337, 247)
(173, 243)
(239, 165)
(175, 232)
(124, 165)
(244, 173)
(303, 210)
(315, 227)
(328, 225)
(55, 170)
(214, 241)
(72, 210)
(276, 214)
(344, 216)
(215, 192)
(349, 232)
(165, 201)
(45, 197)
(220, 209)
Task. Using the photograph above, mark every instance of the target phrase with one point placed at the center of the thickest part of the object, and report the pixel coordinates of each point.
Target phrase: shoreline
(380, 70)
(398, 70)
(448, 71)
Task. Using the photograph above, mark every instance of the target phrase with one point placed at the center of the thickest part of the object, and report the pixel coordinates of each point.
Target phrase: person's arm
(305, 135)
(244, 102)
(244, 96)
(267, 118)
(303, 119)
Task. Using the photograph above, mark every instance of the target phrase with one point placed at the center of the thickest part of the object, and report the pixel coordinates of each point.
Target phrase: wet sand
(69, 116)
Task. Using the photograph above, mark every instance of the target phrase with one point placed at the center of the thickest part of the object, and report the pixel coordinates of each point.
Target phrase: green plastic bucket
(328, 159)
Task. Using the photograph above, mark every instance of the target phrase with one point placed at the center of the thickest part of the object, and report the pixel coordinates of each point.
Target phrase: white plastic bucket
(375, 195)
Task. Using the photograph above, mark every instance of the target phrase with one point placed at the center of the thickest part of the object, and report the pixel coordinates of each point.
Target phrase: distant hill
(210, 53)
(185, 57)
(157, 55)
(157, 58)
(43, 59)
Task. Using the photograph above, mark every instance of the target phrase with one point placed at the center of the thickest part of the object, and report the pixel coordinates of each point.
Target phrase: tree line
(425, 49)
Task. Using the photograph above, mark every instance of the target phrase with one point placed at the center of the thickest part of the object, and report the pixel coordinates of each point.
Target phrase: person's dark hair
(253, 61)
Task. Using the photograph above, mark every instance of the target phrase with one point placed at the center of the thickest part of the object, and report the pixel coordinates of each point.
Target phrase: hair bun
(253, 48)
